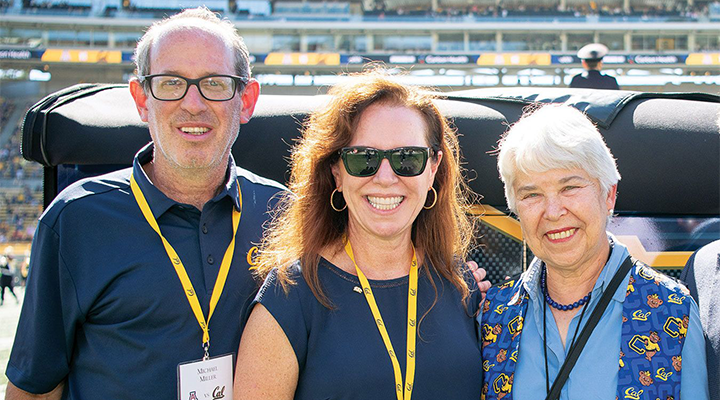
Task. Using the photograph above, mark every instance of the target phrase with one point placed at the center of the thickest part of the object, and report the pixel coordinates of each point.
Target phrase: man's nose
(193, 102)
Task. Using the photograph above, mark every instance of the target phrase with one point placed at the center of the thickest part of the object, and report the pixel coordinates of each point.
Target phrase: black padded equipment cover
(667, 145)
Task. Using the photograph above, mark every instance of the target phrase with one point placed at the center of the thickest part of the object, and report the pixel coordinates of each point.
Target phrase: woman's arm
(267, 367)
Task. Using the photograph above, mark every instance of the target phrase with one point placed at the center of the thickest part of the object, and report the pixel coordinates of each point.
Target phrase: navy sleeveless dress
(340, 351)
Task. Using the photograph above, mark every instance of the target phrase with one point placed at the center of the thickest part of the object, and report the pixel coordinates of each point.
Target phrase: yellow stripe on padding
(657, 259)
(509, 226)
(498, 220)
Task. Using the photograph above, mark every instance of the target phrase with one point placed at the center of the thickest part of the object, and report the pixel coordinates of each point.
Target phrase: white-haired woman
(585, 321)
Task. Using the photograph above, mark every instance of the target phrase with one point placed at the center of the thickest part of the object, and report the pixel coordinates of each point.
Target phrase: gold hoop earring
(333, 204)
(434, 199)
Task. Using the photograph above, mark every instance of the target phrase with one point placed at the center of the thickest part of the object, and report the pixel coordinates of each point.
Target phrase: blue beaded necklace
(554, 304)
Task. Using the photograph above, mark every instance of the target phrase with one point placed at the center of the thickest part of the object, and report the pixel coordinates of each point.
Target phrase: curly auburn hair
(305, 224)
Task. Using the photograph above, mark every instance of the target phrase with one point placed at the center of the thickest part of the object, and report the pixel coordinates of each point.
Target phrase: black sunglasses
(404, 161)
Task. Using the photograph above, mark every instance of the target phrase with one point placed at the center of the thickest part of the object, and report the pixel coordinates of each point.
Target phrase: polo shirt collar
(159, 202)
(232, 185)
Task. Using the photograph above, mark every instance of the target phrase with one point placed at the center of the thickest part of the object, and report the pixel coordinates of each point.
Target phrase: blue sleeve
(287, 309)
(43, 347)
(694, 384)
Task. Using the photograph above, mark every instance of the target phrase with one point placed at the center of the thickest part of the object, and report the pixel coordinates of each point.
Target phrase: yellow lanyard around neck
(180, 268)
(411, 325)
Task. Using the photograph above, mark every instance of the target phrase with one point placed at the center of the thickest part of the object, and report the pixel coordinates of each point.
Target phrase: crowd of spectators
(386, 8)
(6, 110)
(20, 208)
(678, 9)
(20, 193)
(12, 165)
(54, 5)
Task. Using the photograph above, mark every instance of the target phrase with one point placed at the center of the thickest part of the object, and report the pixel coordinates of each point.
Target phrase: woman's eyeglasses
(404, 161)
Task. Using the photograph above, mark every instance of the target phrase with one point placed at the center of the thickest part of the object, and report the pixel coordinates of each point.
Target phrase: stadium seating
(300, 8)
(160, 8)
(20, 183)
(383, 9)
(253, 7)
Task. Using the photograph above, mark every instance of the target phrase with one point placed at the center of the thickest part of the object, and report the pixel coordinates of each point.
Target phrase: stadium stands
(20, 183)
(639, 10)
(310, 8)
(73, 7)
(20, 208)
(6, 110)
(172, 6)
(12, 166)
(384, 9)
(261, 8)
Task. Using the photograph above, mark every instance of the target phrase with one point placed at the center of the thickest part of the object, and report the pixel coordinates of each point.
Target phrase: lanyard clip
(206, 348)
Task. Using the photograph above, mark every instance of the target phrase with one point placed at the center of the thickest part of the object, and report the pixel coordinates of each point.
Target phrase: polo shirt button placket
(210, 260)
(204, 229)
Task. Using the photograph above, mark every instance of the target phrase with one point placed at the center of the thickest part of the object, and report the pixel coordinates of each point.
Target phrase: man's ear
(138, 94)
(249, 98)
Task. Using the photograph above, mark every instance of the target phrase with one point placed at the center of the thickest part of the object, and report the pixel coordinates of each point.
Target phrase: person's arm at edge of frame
(687, 276)
(14, 393)
(267, 367)
(694, 381)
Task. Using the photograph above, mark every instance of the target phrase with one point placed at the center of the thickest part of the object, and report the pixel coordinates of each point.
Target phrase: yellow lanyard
(411, 325)
(180, 268)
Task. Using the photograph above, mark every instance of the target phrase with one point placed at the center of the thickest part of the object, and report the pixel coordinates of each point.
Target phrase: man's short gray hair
(554, 137)
(194, 18)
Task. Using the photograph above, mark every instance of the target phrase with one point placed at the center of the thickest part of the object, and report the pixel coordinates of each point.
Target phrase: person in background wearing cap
(591, 56)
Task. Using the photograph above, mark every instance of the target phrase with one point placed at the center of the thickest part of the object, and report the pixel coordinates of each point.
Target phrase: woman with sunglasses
(366, 296)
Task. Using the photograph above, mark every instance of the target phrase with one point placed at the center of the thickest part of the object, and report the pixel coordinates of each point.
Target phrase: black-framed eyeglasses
(170, 87)
(404, 161)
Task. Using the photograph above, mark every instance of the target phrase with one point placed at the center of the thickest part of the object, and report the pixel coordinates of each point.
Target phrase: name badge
(206, 380)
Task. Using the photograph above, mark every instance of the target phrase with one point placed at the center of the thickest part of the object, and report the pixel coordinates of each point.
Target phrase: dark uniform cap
(593, 51)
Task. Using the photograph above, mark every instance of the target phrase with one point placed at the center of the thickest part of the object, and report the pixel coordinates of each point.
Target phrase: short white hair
(554, 136)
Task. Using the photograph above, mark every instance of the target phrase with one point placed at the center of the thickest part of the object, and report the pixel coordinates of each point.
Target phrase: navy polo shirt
(104, 307)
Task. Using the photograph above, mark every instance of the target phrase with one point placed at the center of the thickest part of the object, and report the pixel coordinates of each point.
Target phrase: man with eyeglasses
(141, 278)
